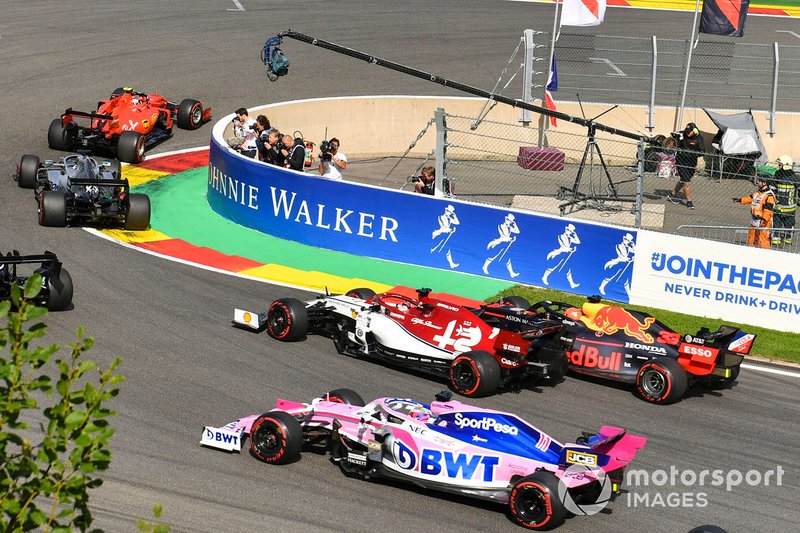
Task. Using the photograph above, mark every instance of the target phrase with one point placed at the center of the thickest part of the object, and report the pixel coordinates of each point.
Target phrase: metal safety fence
(599, 177)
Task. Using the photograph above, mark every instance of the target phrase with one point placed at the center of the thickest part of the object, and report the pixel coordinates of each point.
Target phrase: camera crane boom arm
(589, 123)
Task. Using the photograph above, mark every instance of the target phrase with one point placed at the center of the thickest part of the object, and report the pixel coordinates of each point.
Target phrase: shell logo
(247, 317)
(146, 124)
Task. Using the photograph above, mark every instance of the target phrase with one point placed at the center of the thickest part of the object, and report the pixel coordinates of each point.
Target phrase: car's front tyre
(287, 319)
(276, 438)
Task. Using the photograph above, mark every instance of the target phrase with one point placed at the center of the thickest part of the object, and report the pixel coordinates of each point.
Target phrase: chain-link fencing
(601, 177)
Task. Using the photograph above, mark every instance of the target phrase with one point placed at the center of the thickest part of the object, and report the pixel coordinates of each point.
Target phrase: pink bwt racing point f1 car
(446, 446)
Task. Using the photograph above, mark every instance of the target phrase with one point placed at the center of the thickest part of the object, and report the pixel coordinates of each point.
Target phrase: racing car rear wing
(84, 182)
(47, 259)
(72, 113)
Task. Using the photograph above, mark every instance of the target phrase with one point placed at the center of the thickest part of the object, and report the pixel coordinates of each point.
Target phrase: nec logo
(580, 458)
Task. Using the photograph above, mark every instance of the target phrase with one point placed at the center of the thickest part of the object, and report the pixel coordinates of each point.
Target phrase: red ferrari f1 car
(481, 347)
(126, 124)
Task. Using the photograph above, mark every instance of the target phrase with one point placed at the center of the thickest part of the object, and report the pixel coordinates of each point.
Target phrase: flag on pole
(583, 12)
(552, 85)
(724, 17)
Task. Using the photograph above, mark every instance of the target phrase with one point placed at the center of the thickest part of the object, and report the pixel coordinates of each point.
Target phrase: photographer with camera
(294, 153)
(273, 146)
(426, 183)
(332, 162)
(261, 128)
(690, 147)
(244, 135)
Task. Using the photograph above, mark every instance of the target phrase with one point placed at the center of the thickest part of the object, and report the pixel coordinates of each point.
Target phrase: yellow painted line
(137, 176)
(150, 235)
(312, 279)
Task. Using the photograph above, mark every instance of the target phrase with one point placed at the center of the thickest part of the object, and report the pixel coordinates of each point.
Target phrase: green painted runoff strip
(180, 210)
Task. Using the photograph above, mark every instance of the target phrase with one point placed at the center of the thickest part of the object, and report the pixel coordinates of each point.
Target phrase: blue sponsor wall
(578, 257)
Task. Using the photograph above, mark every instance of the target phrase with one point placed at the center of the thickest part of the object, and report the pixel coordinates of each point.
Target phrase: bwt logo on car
(219, 436)
(485, 424)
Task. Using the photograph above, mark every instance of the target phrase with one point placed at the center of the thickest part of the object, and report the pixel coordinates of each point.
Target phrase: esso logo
(701, 351)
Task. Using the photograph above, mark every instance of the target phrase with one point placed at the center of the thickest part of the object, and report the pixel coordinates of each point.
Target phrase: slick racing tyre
(138, 217)
(661, 381)
(475, 374)
(27, 169)
(130, 147)
(345, 396)
(190, 114)
(515, 301)
(362, 293)
(59, 290)
(276, 438)
(287, 319)
(534, 502)
(52, 209)
(59, 137)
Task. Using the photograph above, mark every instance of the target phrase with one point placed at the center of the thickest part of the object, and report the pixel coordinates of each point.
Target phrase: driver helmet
(420, 413)
(785, 162)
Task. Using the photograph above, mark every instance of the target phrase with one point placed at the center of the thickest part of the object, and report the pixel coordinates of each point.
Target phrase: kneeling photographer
(332, 162)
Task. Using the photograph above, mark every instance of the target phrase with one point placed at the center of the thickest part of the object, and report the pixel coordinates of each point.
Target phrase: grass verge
(769, 343)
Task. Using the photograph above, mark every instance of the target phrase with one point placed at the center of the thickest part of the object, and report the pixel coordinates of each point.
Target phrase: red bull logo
(611, 319)
(589, 357)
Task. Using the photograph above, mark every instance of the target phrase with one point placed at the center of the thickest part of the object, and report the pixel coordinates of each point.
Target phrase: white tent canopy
(739, 135)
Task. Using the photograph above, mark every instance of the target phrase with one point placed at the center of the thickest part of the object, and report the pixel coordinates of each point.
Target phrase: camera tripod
(572, 194)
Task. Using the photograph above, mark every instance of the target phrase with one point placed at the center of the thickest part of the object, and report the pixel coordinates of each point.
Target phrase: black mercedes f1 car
(79, 189)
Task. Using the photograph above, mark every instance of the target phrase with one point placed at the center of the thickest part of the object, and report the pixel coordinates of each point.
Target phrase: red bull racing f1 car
(445, 446)
(480, 347)
(629, 346)
(126, 124)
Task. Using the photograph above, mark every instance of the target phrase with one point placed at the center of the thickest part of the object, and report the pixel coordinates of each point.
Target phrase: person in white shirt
(333, 168)
(244, 136)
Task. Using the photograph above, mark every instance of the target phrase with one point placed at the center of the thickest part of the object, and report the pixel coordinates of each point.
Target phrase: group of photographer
(257, 138)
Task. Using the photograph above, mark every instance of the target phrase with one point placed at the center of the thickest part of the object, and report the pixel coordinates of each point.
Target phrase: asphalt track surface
(187, 367)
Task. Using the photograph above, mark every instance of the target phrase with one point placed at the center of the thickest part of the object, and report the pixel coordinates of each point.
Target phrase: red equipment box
(535, 158)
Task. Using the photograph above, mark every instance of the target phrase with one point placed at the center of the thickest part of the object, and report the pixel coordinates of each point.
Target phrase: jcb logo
(579, 458)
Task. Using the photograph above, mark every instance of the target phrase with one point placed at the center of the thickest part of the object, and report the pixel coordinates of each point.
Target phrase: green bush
(54, 423)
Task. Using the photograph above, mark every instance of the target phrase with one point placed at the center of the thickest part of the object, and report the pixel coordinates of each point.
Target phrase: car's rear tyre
(534, 502)
(362, 293)
(138, 217)
(287, 319)
(190, 114)
(276, 438)
(661, 381)
(59, 137)
(716, 383)
(27, 171)
(52, 209)
(475, 374)
(59, 291)
(130, 147)
(347, 396)
(515, 301)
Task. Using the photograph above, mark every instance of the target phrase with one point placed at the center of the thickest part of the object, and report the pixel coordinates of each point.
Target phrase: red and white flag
(583, 12)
